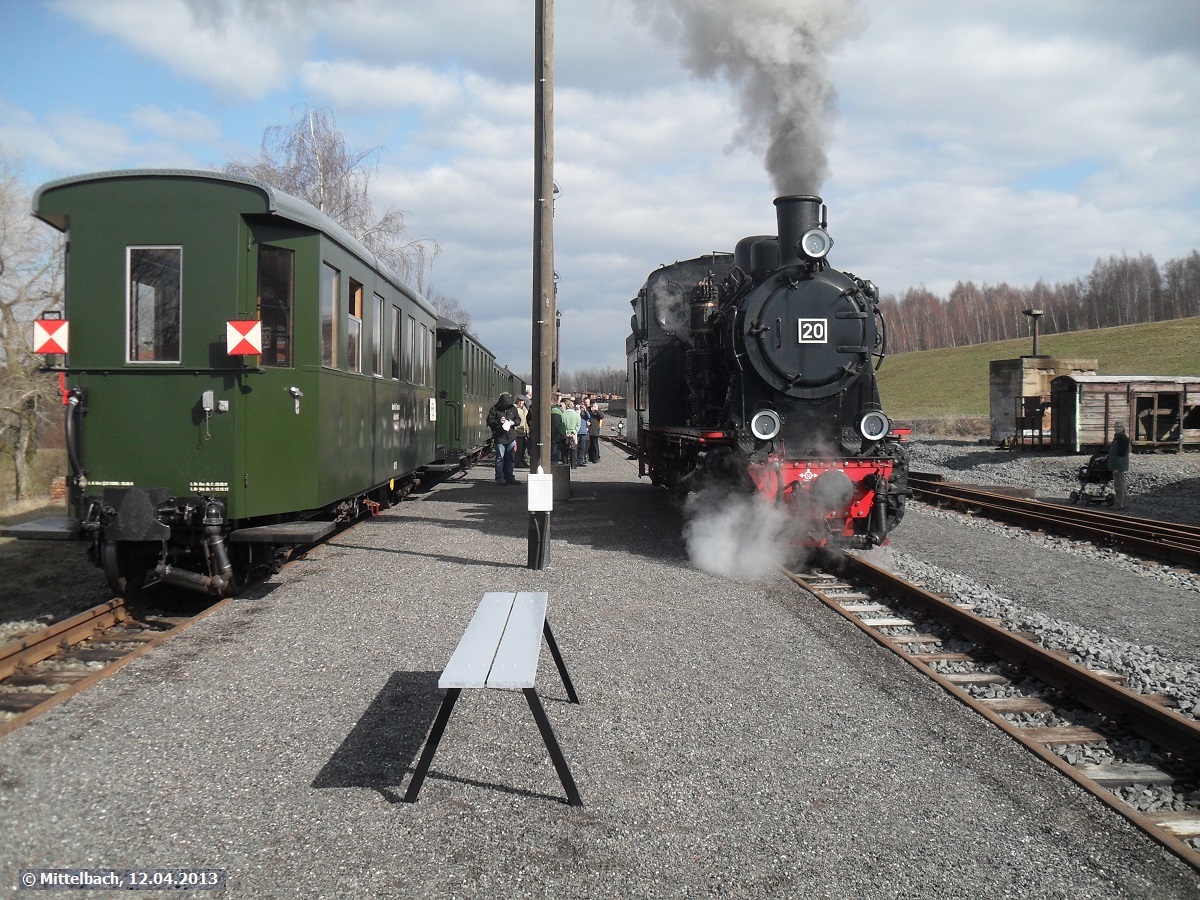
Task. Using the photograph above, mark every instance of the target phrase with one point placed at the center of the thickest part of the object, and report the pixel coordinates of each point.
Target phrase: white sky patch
(354, 87)
(178, 125)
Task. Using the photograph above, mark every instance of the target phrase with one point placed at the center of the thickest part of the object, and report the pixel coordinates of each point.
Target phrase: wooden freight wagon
(1162, 412)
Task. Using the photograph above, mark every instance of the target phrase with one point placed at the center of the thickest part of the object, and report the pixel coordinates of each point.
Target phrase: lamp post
(1034, 315)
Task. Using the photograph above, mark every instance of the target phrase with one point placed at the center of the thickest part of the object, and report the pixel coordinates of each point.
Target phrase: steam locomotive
(756, 370)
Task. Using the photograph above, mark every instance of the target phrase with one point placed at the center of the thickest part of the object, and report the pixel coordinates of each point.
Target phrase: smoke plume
(775, 52)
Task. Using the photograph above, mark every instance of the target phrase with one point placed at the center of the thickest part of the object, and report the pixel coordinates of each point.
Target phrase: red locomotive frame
(778, 479)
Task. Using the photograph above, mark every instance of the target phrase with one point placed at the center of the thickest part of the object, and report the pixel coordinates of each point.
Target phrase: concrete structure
(1020, 396)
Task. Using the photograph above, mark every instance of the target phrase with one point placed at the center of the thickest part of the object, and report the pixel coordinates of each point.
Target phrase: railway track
(1168, 541)
(622, 443)
(1066, 714)
(41, 669)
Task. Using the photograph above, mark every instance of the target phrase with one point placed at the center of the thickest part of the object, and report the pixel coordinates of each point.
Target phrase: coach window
(430, 356)
(409, 348)
(330, 278)
(354, 323)
(377, 338)
(396, 320)
(276, 293)
(155, 290)
(418, 376)
(423, 368)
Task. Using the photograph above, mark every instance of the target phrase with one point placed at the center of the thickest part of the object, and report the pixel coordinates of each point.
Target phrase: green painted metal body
(469, 382)
(269, 453)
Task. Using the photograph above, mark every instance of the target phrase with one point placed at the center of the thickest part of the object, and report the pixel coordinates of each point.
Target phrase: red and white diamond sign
(50, 336)
(243, 338)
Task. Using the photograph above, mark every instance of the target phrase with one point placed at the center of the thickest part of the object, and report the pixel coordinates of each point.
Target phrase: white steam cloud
(775, 52)
(742, 536)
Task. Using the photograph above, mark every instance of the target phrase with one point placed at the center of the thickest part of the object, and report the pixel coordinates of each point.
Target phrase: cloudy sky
(1008, 140)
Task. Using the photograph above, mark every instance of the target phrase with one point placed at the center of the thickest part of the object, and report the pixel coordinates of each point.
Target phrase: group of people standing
(574, 433)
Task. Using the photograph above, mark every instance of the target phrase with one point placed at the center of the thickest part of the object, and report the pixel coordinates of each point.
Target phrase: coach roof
(277, 203)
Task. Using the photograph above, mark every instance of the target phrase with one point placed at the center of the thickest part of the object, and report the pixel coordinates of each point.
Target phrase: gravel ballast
(734, 738)
(1114, 611)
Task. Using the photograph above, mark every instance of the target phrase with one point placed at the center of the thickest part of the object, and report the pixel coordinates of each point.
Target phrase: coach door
(279, 399)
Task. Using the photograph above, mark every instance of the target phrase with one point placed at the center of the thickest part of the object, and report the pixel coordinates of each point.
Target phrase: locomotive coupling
(219, 564)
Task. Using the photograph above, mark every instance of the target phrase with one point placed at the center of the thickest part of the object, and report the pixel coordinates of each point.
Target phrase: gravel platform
(735, 738)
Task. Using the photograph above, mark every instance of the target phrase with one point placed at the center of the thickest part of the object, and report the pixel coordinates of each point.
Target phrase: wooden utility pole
(544, 301)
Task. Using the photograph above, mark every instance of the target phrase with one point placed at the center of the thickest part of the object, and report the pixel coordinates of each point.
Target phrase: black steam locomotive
(757, 369)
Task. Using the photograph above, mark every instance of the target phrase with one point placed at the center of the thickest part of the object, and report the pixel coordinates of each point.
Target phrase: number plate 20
(814, 331)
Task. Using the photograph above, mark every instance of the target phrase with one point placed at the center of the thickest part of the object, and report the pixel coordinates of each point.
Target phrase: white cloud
(73, 143)
(235, 55)
(986, 148)
(353, 86)
(178, 125)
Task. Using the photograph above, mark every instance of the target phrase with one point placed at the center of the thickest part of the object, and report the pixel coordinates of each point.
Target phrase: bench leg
(556, 755)
(558, 661)
(431, 744)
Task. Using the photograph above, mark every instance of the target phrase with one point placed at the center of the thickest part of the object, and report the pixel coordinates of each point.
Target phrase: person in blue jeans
(503, 419)
(585, 417)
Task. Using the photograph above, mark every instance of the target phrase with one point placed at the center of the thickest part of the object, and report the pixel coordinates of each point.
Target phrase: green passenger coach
(199, 454)
(469, 382)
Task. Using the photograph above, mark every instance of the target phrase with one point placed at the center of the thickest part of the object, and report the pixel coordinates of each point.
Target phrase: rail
(887, 622)
(110, 634)
(1169, 541)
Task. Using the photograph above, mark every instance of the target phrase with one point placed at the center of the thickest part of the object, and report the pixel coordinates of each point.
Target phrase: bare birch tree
(310, 159)
(30, 285)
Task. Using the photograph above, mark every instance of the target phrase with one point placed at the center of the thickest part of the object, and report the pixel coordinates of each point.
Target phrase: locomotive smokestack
(796, 215)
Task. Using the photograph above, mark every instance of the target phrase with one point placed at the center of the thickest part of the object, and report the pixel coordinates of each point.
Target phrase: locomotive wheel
(125, 567)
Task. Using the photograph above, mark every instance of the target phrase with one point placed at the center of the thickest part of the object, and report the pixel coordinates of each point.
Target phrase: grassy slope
(954, 382)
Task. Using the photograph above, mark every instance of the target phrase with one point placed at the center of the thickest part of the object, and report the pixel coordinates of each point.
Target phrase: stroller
(1095, 482)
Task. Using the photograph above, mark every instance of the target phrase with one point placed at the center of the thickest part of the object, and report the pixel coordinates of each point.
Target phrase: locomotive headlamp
(874, 425)
(765, 424)
(816, 243)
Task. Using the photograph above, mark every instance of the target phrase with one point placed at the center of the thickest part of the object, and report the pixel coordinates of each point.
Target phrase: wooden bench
(500, 650)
